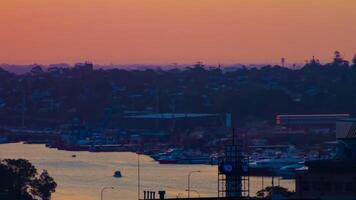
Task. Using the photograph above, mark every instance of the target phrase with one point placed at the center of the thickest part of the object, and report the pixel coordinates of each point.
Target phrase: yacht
(272, 165)
(180, 156)
(166, 154)
(289, 171)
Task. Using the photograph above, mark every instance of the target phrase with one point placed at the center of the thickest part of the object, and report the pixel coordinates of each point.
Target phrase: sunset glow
(182, 31)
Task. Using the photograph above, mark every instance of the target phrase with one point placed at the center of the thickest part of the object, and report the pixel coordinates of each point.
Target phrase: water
(83, 177)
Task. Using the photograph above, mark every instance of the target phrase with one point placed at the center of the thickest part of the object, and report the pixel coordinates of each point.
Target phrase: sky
(175, 31)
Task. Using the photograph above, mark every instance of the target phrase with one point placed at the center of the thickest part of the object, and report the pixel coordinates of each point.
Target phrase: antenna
(233, 173)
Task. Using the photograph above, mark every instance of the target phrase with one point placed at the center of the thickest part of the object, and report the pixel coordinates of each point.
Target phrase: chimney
(161, 194)
(149, 195)
(145, 195)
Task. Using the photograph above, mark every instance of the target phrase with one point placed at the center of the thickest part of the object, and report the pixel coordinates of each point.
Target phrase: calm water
(83, 177)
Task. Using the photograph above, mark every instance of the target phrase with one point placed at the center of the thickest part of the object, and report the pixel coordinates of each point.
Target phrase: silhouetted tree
(339, 60)
(44, 186)
(20, 181)
(270, 191)
(37, 70)
(61, 94)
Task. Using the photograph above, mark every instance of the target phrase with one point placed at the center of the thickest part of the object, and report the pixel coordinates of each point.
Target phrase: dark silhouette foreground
(19, 180)
(271, 191)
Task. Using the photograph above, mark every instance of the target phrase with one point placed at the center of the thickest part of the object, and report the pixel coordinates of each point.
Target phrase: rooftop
(171, 115)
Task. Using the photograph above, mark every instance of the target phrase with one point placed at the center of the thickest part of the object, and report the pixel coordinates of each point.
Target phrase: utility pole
(138, 176)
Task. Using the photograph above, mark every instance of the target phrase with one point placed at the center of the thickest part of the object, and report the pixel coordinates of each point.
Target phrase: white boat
(289, 171)
(180, 156)
(169, 152)
(274, 163)
(271, 166)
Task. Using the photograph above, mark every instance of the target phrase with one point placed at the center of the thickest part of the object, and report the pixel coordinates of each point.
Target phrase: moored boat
(117, 174)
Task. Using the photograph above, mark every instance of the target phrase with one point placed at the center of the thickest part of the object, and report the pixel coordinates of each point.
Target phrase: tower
(233, 172)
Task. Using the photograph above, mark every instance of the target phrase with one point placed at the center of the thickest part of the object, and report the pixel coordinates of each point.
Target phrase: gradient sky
(175, 31)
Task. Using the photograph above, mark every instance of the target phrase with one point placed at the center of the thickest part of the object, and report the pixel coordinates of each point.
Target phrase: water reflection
(83, 176)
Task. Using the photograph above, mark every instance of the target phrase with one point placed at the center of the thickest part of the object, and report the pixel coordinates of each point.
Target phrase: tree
(270, 191)
(20, 181)
(44, 186)
(37, 70)
(339, 60)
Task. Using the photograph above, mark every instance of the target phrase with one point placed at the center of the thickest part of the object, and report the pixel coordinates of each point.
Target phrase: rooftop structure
(172, 115)
(310, 119)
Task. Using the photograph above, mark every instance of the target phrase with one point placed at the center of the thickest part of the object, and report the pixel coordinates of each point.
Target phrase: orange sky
(181, 31)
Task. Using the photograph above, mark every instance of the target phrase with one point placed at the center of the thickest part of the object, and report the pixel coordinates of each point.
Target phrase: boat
(169, 152)
(117, 174)
(289, 171)
(271, 166)
(275, 163)
(180, 156)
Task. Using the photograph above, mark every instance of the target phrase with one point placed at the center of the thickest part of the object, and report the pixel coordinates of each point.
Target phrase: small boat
(289, 171)
(117, 174)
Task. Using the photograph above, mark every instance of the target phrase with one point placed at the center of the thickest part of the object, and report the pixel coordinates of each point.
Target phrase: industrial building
(309, 123)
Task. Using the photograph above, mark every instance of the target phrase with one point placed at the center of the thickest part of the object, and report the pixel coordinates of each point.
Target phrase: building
(336, 178)
(322, 122)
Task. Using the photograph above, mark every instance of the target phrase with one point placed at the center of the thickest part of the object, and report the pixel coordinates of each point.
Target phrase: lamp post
(102, 191)
(190, 173)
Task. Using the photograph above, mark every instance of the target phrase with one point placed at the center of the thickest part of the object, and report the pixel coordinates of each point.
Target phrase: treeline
(96, 96)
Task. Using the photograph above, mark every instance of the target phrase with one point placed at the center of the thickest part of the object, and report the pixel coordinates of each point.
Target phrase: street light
(138, 176)
(196, 191)
(190, 173)
(102, 191)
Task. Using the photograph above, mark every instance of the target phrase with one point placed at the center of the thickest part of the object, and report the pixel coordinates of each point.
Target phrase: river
(83, 176)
